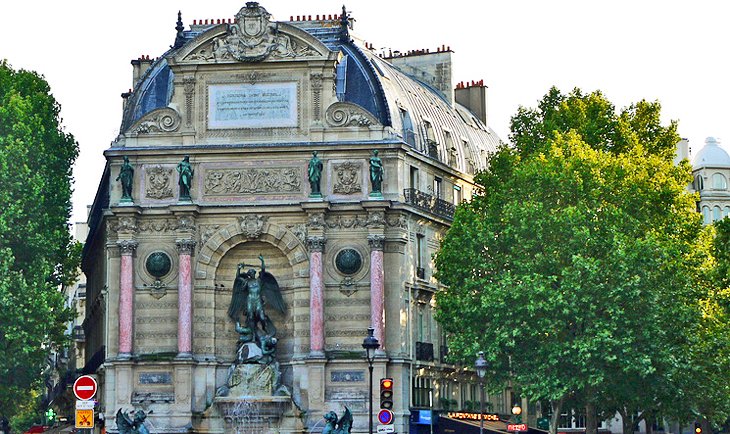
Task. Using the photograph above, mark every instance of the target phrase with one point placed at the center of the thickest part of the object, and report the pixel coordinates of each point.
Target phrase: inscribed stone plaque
(347, 376)
(262, 105)
(155, 378)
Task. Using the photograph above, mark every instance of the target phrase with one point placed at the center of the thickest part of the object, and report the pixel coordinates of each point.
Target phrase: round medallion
(158, 264)
(348, 261)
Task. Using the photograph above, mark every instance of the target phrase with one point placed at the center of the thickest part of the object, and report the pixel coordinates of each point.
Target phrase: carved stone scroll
(162, 120)
(345, 114)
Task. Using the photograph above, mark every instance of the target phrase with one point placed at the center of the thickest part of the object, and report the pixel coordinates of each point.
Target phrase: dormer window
(408, 134)
(341, 79)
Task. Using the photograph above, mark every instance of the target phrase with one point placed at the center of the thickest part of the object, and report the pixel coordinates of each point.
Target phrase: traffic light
(50, 415)
(698, 428)
(386, 393)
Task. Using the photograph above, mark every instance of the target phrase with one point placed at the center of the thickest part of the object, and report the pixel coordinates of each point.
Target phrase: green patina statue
(315, 175)
(127, 425)
(335, 426)
(250, 295)
(186, 177)
(376, 174)
(126, 176)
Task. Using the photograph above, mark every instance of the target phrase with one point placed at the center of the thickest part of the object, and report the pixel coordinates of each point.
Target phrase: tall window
(422, 390)
(438, 187)
(408, 134)
(341, 79)
(719, 182)
(414, 178)
(457, 195)
(706, 215)
(420, 245)
(716, 213)
(726, 211)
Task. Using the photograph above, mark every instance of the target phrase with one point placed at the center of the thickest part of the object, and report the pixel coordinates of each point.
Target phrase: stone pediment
(252, 38)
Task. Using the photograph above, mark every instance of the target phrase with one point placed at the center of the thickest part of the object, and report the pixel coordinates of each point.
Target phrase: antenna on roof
(179, 38)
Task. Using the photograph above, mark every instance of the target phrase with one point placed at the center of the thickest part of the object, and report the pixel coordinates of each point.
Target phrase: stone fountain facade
(248, 100)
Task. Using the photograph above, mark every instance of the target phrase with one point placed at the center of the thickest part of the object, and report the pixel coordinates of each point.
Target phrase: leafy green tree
(37, 256)
(580, 267)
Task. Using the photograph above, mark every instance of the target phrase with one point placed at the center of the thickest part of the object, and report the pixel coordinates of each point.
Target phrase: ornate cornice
(376, 242)
(316, 244)
(127, 247)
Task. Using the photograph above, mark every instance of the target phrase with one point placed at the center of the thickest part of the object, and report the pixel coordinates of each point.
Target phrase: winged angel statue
(251, 295)
(127, 425)
(341, 426)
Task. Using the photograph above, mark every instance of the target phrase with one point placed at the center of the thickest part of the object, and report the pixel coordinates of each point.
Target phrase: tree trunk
(626, 421)
(649, 421)
(591, 423)
(557, 408)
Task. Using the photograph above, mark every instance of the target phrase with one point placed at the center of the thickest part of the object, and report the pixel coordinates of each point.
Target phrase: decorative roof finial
(344, 25)
(179, 38)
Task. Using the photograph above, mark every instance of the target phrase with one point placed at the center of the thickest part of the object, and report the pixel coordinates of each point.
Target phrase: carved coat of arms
(347, 178)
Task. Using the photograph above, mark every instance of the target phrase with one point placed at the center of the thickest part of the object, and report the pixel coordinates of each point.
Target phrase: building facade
(211, 169)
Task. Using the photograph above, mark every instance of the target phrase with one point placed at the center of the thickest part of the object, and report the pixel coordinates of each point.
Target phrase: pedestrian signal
(386, 393)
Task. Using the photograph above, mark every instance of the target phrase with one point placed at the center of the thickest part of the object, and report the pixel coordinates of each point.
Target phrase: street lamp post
(481, 367)
(370, 343)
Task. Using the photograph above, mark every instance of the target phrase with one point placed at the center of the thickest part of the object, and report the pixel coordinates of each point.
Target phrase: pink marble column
(126, 296)
(185, 298)
(377, 287)
(316, 296)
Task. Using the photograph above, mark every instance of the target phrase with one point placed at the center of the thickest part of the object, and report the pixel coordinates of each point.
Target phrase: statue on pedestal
(315, 175)
(186, 177)
(376, 174)
(126, 176)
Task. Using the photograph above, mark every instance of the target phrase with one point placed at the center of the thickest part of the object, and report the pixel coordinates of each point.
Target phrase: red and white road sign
(85, 387)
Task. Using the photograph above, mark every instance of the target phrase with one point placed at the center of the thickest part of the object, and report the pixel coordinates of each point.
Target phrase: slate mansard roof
(416, 113)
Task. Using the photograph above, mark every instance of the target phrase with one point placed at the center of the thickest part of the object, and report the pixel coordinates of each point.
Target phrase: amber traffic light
(698, 428)
(386, 393)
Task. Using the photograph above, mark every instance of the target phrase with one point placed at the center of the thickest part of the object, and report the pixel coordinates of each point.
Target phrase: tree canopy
(37, 256)
(580, 268)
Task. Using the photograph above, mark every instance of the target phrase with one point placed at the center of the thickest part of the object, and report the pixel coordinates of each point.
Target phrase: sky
(671, 51)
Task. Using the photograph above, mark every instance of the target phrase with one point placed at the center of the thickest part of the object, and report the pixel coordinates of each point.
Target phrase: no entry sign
(85, 387)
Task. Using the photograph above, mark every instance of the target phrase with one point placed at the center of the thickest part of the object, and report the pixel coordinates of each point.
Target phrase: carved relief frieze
(272, 180)
(252, 38)
(345, 114)
(252, 225)
(346, 222)
(122, 224)
(397, 221)
(376, 219)
(162, 120)
(186, 223)
(316, 220)
(347, 178)
(159, 182)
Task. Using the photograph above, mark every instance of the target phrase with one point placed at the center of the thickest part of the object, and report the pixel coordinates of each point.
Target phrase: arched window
(698, 184)
(726, 211)
(408, 135)
(706, 215)
(716, 214)
(719, 182)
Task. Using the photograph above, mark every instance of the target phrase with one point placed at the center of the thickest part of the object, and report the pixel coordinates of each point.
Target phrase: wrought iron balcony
(428, 203)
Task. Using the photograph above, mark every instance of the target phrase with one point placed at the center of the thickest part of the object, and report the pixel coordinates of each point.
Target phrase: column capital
(376, 241)
(316, 243)
(127, 247)
(185, 246)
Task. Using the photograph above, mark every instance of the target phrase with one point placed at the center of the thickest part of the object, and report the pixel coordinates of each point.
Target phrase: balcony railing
(428, 203)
